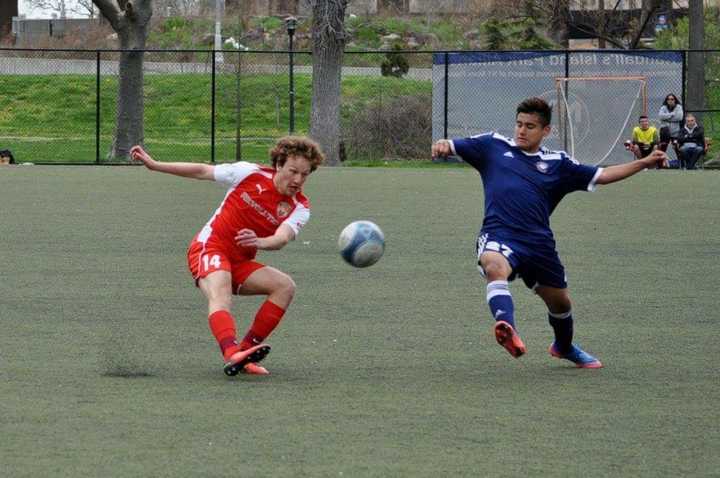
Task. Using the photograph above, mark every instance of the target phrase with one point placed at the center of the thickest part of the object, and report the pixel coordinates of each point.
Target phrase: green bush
(173, 32)
(514, 35)
(676, 38)
(395, 64)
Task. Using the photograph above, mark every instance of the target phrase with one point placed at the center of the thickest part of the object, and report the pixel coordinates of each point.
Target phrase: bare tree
(559, 20)
(85, 8)
(129, 19)
(608, 25)
(648, 10)
(57, 6)
(602, 24)
(184, 8)
(696, 60)
(328, 47)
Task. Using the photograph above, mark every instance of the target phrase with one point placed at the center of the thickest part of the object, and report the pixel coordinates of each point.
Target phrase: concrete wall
(362, 7)
(440, 6)
(29, 30)
(356, 7)
(371, 7)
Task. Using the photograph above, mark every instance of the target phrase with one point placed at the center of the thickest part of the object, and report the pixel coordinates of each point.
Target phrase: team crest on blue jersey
(542, 166)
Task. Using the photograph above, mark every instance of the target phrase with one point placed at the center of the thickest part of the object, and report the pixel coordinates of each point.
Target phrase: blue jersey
(522, 189)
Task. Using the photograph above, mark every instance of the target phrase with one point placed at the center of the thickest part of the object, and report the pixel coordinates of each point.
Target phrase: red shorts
(204, 259)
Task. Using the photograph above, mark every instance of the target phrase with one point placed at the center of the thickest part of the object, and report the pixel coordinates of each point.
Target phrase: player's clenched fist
(441, 148)
(246, 238)
(139, 154)
(656, 158)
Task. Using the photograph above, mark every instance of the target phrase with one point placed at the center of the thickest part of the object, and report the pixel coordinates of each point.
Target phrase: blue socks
(562, 324)
(501, 307)
(500, 302)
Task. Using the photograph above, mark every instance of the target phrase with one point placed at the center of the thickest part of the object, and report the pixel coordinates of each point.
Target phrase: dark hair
(643, 117)
(536, 106)
(677, 101)
(6, 153)
(296, 146)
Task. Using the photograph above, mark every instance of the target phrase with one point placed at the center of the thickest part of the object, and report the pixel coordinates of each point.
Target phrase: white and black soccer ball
(361, 243)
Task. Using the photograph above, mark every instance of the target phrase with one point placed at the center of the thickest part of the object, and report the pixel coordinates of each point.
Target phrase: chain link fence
(60, 106)
(709, 116)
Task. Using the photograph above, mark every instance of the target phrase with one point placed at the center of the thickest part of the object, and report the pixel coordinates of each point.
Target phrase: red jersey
(252, 202)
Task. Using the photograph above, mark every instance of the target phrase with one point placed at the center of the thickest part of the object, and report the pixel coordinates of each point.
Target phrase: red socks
(266, 319)
(222, 326)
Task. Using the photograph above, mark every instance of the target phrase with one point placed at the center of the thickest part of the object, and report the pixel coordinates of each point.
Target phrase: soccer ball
(361, 243)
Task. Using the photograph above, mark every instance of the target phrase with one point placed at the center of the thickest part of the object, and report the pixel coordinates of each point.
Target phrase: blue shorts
(535, 264)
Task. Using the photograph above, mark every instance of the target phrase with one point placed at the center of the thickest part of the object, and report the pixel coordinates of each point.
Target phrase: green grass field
(109, 369)
(52, 118)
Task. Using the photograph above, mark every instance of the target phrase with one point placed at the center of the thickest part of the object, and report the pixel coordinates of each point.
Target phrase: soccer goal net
(594, 115)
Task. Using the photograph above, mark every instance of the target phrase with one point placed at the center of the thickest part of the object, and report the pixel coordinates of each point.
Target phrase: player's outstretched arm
(619, 172)
(248, 238)
(187, 170)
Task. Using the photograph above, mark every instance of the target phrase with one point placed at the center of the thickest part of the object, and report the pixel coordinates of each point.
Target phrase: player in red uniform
(264, 209)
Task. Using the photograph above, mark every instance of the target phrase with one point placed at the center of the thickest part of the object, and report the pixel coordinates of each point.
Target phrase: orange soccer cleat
(254, 369)
(507, 337)
(237, 361)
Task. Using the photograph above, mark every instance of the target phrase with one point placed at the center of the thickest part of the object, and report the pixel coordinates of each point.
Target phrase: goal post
(595, 114)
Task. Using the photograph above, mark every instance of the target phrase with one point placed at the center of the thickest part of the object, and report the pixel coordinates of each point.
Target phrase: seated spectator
(645, 137)
(671, 116)
(6, 157)
(691, 142)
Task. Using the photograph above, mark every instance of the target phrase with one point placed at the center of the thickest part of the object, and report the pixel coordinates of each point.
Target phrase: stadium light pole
(219, 7)
(291, 24)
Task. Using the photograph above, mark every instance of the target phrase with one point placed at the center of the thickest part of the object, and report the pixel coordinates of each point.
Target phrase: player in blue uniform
(523, 184)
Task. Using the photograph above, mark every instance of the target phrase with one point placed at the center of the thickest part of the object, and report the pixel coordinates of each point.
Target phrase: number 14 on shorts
(211, 261)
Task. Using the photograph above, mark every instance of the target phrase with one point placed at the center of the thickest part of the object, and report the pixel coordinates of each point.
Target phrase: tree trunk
(8, 10)
(649, 11)
(328, 45)
(130, 128)
(601, 26)
(129, 19)
(666, 6)
(696, 60)
(559, 22)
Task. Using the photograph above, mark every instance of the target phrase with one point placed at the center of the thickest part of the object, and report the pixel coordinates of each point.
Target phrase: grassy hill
(52, 118)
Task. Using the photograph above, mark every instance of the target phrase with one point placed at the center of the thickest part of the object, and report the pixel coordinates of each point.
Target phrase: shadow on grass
(127, 373)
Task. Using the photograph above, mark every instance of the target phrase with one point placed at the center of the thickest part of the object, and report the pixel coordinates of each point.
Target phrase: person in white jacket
(671, 116)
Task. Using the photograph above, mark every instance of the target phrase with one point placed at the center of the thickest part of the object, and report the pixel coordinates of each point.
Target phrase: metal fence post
(291, 24)
(445, 98)
(238, 109)
(292, 92)
(684, 77)
(212, 110)
(566, 87)
(97, 107)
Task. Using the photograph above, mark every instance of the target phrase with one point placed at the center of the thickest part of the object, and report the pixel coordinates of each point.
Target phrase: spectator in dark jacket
(691, 142)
